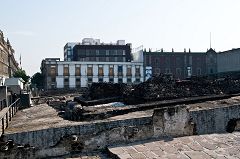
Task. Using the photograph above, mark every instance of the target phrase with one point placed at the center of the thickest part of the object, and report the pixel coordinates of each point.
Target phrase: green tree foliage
(21, 74)
(38, 80)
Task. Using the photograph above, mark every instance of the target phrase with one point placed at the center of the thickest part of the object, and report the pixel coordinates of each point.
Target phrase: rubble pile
(107, 90)
(163, 87)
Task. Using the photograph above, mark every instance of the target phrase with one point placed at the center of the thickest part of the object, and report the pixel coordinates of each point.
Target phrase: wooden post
(10, 113)
(6, 119)
(3, 125)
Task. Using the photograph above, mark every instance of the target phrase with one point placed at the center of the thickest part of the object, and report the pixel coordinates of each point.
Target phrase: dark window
(111, 70)
(129, 80)
(120, 70)
(120, 59)
(89, 80)
(111, 59)
(102, 59)
(53, 79)
(102, 52)
(120, 80)
(119, 52)
(100, 79)
(137, 71)
(138, 80)
(66, 80)
(111, 80)
(77, 79)
(89, 71)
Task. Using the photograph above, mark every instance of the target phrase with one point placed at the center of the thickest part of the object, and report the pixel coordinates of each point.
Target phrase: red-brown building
(181, 64)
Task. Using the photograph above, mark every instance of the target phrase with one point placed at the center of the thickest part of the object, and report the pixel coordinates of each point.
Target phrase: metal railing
(7, 113)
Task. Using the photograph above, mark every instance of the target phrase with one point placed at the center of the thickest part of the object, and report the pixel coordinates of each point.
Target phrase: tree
(38, 80)
(21, 74)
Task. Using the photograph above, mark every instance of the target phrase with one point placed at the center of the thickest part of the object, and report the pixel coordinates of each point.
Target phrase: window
(111, 70)
(102, 59)
(78, 80)
(129, 80)
(89, 70)
(178, 72)
(100, 70)
(66, 80)
(53, 71)
(89, 80)
(102, 52)
(120, 52)
(77, 70)
(65, 70)
(120, 70)
(120, 59)
(199, 72)
(111, 59)
(167, 71)
(53, 79)
(167, 61)
(92, 58)
(129, 71)
(111, 80)
(157, 71)
(111, 52)
(100, 79)
(120, 80)
(138, 80)
(137, 72)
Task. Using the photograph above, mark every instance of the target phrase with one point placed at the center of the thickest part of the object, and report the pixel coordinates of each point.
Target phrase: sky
(39, 29)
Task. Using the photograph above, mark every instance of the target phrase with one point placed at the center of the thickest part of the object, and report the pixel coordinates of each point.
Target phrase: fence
(7, 113)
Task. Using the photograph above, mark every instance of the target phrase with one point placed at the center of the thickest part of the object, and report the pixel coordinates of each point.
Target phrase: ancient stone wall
(174, 121)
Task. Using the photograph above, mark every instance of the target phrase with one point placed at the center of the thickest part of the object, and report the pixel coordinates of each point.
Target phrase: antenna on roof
(210, 40)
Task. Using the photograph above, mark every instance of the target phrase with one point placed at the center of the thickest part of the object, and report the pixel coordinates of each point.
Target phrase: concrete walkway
(213, 146)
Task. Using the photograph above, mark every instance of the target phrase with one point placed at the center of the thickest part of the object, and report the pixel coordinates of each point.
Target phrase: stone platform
(213, 146)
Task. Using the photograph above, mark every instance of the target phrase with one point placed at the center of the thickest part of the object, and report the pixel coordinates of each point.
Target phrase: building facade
(228, 61)
(92, 50)
(180, 64)
(91, 61)
(77, 74)
(8, 64)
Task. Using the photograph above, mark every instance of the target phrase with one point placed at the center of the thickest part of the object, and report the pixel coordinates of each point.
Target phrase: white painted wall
(60, 70)
(72, 70)
(59, 81)
(124, 70)
(106, 70)
(84, 70)
(115, 71)
(84, 82)
(72, 82)
(95, 79)
(95, 70)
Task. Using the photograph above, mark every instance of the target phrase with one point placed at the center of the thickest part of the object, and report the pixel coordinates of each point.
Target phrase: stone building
(180, 64)
(8, 64)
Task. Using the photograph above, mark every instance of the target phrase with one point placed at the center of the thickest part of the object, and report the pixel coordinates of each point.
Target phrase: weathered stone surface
(197, 152)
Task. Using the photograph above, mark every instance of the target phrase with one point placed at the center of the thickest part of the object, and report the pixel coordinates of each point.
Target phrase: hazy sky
(38, 29)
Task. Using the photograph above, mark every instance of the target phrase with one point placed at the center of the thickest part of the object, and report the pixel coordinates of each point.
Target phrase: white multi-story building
(77, 74)
(91, 61)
